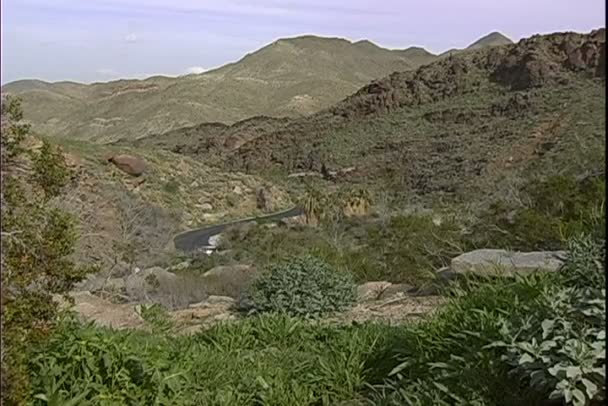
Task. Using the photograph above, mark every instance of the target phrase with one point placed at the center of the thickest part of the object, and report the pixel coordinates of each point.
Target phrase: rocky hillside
(290, 77)
(132, 202)
(465, 125)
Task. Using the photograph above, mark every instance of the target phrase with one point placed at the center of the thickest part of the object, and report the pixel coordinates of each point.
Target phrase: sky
(102, 40)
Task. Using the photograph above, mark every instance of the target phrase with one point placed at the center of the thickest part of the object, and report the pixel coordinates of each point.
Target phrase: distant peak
(492, 39)
(416, 51)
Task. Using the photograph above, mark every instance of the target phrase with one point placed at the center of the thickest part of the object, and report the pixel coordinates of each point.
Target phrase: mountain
(289, 77)
(493, 39)
(476, 124)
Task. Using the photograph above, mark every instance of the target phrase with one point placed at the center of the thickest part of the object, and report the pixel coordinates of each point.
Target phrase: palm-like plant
(312, 204)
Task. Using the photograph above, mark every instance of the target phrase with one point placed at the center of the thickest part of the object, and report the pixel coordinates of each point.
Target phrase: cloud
(131, 38)
(195, 70)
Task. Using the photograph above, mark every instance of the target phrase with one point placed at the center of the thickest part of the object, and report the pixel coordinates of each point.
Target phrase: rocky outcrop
(129, 164)
(502, 262)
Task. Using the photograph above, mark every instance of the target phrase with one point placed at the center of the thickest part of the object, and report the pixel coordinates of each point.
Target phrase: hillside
(290, 77)
(117, 212)
(466, 126)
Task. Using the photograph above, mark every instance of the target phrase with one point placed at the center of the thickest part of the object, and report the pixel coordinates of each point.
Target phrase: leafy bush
(564, 352)
(302, 286)
(507, 341)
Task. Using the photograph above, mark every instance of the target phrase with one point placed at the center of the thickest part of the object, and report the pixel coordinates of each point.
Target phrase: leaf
(441, 387)
(590, 387)
(579, 397)
(441, 365)
(547, 326)
(526, 359)
(573, 372)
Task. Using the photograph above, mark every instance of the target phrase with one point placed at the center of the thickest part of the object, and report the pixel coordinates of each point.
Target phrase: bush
(563, 352)
(553, 210)
(302, 286)
(508, 341)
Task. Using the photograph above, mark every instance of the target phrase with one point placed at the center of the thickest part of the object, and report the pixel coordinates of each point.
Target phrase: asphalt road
(199, 238)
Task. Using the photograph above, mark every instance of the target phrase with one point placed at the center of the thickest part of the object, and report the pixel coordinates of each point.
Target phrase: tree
(37, 241)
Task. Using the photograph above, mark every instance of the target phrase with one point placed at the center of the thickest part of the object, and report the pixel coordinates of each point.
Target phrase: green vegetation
(302, 286)
(37, 241)
(495, 343)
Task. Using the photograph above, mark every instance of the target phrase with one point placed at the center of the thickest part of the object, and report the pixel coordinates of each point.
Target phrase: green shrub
(552, 211)
(563, 353)
(302, 286)
(508, 341)
(171, 186)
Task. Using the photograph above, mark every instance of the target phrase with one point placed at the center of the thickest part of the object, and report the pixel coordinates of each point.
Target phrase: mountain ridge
(455, 126)
(289, 77)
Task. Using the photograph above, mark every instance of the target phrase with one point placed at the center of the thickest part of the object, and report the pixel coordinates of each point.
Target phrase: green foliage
(158, 318)
(37, 241)
(266, 360)
(171, 186)
(509, 341)
(302, 286)
(553, 210)
(564, 351)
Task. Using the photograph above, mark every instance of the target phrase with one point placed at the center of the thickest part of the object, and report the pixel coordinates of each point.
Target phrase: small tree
(37, 241)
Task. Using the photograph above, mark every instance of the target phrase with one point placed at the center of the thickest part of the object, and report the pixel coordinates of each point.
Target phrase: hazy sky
(99, 40)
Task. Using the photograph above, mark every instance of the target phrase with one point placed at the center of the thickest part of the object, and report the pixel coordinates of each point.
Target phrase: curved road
(199, 238)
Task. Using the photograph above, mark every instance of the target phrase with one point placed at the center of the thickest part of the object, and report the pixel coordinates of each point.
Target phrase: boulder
(231, 281)
(104, 313)
(494, 261)
(129, 164)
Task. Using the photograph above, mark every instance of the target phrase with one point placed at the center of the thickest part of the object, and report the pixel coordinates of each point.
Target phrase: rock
(214, 308)
(237, 190)
(230, 281)
(104, 313)
(206, 207)
(72, 161)
(150, 285)
(129, 164)
(493, 261)
(214, 301)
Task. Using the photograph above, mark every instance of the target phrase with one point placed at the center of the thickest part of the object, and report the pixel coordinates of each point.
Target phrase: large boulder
(158, 285)
(102, 312)
(129, 164)
(502, 262)
(231, 281)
